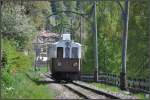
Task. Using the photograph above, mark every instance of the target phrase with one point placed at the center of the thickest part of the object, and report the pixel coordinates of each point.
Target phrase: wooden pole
(71, 31)
(81, 32)
(123, 81)
(80, 29)
(0, 44)
(149, 46)
(96, 44)
(37, 46)
(0, 30)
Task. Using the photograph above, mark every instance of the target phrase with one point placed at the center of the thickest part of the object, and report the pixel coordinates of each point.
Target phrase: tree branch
(122, 9)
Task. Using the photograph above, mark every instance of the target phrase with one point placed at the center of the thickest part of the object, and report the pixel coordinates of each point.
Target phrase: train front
(66, 64)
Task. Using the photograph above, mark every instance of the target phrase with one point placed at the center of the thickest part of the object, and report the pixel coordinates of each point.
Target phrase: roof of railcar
(62, 41)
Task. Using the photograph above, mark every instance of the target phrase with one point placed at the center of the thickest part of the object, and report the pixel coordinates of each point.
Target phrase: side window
(74, 52)
(59, 52)
(67, 52)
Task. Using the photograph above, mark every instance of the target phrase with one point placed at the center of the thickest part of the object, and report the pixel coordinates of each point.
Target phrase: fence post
(139, 83)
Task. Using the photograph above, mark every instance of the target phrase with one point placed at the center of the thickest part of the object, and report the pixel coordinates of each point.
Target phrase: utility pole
(96, 44)
(0, 30)
(81, 29)
(71, 30)
(149, 45)
(81, 33)
(123, 77)
(0, 44)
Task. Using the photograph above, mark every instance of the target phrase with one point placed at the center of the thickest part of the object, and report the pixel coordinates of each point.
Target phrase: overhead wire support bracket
(67, 11)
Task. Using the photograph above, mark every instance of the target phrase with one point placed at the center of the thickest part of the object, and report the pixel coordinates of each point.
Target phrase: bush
(16, 60)
(23, 88)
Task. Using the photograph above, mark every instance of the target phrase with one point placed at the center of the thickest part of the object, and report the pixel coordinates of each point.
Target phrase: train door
(59, 52)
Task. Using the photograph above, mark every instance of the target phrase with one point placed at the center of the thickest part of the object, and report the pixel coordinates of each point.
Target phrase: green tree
(16, 25)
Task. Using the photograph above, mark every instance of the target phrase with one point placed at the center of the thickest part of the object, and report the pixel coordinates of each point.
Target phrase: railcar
(64, 59)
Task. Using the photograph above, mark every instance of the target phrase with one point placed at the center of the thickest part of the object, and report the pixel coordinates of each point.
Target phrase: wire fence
(41, 64)
(134, 85)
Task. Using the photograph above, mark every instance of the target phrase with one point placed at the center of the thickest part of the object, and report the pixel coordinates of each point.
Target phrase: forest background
(21, 22)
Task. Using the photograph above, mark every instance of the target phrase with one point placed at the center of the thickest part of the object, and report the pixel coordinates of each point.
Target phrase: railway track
(84, 91)
(102, 94)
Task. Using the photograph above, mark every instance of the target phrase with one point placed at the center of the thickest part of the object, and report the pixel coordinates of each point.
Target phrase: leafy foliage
(110, 28)
(21, 22)
(16, 60)
(17, 26)
(22, 87)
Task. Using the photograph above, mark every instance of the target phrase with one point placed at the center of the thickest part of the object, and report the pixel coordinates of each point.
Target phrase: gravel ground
(86, 92)
(61, 91)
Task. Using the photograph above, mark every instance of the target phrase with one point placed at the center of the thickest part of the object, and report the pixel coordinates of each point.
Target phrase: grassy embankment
(23, 87)
(114, 89)
(15, 83)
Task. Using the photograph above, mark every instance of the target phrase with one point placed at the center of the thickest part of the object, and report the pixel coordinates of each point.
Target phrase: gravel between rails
(61, 91)
(89, 94)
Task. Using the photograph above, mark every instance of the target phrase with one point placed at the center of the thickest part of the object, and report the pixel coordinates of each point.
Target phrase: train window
(67, 52)
(74, 52)
(59, 52)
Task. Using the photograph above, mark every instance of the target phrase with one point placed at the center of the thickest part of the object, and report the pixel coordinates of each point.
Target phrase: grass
(115, 89)
(107, 87)
(24, 88)
(43, 69)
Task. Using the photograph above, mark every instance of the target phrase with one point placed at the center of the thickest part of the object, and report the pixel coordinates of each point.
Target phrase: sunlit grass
(43, 69)
(24, 88)
(115, 89)
(36, 75)
(107, 87)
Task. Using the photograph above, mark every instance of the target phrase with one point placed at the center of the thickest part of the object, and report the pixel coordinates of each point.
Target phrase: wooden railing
(134, 85)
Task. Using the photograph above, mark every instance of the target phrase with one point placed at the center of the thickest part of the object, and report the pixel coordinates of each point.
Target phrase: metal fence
(134, 85)
(41, 63)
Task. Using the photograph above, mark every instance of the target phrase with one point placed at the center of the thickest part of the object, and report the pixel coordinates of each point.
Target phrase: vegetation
(22, 87)
(22, 21)
(16, 25)
(18, 30)
(110, 28)
(114, 89)
(15, 84)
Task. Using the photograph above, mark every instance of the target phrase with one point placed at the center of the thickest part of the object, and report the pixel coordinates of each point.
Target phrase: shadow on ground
(39, 82)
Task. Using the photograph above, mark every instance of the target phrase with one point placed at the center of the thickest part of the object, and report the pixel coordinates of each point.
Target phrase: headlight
(59, 63)
(75, 64)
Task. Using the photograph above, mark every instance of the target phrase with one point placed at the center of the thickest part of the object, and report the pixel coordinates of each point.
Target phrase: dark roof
(50, 35)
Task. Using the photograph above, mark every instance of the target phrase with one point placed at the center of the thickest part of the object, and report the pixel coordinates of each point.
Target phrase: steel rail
(97, 91)
(79, 93)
